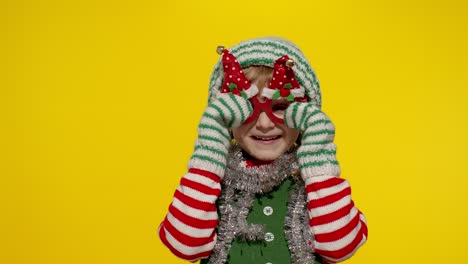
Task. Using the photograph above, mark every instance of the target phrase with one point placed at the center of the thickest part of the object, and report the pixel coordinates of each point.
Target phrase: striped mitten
(189, 227)
(338, 226)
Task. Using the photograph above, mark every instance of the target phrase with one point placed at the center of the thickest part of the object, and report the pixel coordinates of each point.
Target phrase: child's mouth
(263, 139)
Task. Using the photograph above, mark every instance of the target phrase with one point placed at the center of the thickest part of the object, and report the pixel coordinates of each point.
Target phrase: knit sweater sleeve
(338, 226)
(189, 227)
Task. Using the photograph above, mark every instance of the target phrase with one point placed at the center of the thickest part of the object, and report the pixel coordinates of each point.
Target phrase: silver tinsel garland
(239, 187)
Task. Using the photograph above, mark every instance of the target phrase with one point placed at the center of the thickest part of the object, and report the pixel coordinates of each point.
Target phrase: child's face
(263, 139)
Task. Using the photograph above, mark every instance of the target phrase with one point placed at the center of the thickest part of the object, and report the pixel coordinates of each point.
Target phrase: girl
(263, 182)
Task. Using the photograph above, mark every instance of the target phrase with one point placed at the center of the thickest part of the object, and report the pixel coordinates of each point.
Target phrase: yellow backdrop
(99, 103)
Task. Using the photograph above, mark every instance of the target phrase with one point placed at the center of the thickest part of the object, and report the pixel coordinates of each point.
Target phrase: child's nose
(264, 123)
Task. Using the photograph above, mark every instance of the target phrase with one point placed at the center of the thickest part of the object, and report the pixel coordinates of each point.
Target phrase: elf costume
(231, 208)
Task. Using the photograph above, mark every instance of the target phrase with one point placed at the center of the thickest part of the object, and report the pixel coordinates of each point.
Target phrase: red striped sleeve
(327, 218)
(341, 219)
(192, 221)
(316, 186)
(200, 187)
(345, 251)
(179, 254)
(207, 174)
(197, 213)
(194, 203)
(187, 240)
(338, 234)
(329, 199)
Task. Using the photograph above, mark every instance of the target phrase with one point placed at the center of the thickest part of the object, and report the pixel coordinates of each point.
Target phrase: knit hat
(265, 51)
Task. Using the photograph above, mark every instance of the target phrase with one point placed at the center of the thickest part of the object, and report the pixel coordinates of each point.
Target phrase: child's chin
(266, 155)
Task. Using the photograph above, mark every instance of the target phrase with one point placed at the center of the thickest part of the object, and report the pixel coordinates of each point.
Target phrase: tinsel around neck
(258, 179)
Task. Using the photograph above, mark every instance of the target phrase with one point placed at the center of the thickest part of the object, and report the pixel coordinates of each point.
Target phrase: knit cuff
(317, 160)
(208, 159)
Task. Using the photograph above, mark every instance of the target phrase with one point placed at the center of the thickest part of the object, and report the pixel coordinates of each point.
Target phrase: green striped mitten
(213, 141)
(317, 153)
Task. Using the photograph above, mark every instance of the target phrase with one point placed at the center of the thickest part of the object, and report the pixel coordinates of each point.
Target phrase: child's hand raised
(317, 153)
(338, 227)
(211, 148)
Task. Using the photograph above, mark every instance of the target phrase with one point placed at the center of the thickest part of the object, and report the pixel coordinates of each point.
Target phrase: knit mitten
(189, 228)
(339, 228)
(317, 153)
(211, 148)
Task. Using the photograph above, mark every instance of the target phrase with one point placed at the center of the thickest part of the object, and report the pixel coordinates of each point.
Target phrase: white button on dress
(268, 210)
(269, 237)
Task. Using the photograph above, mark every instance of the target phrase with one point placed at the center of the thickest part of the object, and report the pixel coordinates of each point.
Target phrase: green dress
(269, 210)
